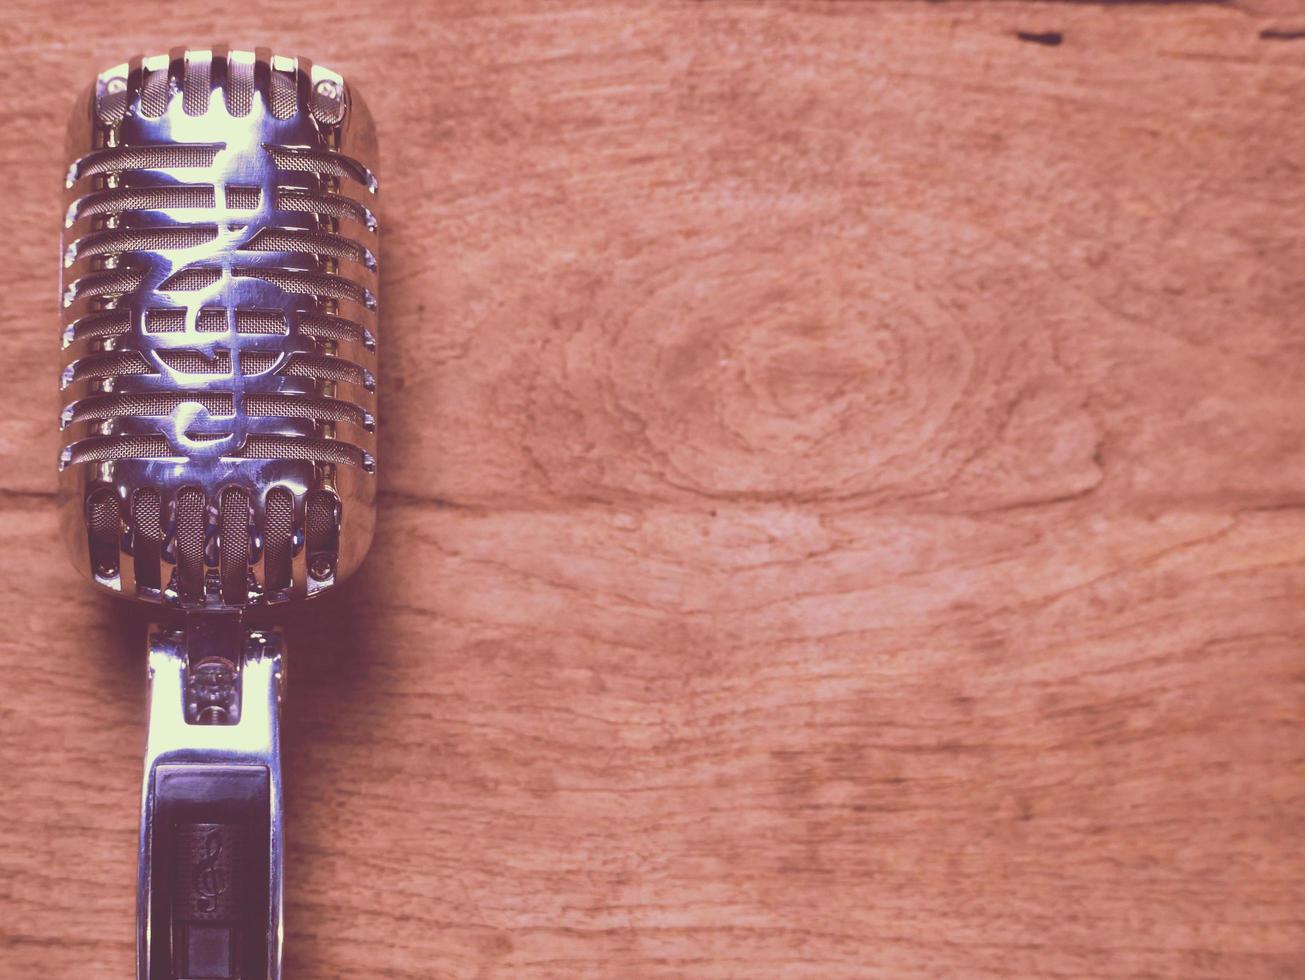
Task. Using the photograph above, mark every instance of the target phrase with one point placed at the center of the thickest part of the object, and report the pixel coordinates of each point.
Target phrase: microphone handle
(210, 875)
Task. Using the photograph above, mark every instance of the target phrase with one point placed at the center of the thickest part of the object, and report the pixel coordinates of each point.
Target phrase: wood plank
(842, 508)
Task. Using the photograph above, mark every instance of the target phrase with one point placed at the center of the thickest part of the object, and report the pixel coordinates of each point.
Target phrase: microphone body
(219, 297)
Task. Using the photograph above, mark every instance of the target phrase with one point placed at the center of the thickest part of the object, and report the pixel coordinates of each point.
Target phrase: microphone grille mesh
(193, 362)
(220, 294)
(145, 199)
(155, 93)
(112, 364)
(260, 321)
(278, 539)
(190, 542)
(149, 404)
(116, 241)
(147, 543)
(161, 156)
(103, 522)
(240, 86)
(147, 514)
(108, 448)
(109, 324)
(195, 87)
(233, 539)
(283, 94)
(306, 449)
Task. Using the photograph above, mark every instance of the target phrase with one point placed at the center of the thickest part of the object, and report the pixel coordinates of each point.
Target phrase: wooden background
(843, 502)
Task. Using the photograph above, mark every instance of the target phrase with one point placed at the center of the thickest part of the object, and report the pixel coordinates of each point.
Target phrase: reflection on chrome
(220, 300)
(220, 320)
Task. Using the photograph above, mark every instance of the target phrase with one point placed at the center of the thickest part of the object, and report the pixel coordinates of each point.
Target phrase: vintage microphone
(219, 440)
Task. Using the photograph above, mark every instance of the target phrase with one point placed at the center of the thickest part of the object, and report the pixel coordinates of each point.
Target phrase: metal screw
(212, 715)
(321, 567)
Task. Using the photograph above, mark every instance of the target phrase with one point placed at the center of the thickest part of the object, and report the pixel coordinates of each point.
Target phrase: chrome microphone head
(219, 296)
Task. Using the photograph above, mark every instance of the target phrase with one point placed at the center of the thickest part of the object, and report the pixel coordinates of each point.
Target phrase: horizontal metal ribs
(220, 313)
(135, 229)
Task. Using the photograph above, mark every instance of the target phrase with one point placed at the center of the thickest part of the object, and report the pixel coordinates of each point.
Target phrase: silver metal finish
(219, 297)
(220, 310)
(204, 754)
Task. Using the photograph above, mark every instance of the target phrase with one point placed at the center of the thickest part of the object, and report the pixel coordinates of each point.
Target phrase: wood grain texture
(843, 514)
